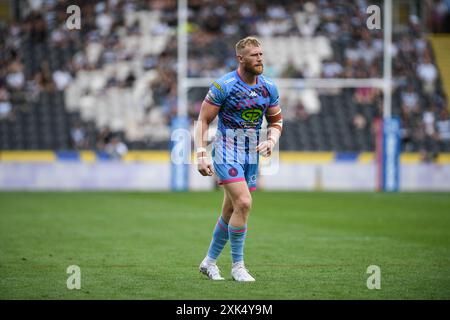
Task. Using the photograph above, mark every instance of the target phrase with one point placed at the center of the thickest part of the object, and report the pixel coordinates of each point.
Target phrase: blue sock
(237, 239)
(219, 240)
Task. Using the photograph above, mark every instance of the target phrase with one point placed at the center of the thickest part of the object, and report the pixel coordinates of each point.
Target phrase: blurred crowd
(438, 16)
(214, 27)
(32, 40)
(358, 53)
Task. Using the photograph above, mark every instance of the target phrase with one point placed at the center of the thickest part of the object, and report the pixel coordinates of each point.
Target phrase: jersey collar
(255, 85)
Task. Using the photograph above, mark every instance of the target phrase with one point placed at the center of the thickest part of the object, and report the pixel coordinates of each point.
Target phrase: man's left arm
(274, 127)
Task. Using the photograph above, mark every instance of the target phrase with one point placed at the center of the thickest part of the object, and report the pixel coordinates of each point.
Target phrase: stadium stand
(116, 77)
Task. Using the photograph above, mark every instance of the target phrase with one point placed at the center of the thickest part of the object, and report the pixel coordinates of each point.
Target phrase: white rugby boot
(211, 270)
(240, 273)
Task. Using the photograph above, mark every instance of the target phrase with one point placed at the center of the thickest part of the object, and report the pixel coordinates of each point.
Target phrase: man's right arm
(208, 113)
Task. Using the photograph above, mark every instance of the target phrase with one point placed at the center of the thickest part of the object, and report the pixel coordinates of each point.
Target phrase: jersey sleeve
(216, 94)
(274, 96)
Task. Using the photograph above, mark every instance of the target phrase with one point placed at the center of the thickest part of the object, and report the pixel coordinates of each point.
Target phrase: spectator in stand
(366, 96)
(429, 122)
(291, 71)
(440, 11)
(15, 78)
(116, 148)
(359, 122)
(405, 133)
(103, 138)
(78, 137)
(44, 78)
(410, 100)
(428, 73)
(5, 104)
(443, 130)
(62, 79)
(331, 69)
(300, 112)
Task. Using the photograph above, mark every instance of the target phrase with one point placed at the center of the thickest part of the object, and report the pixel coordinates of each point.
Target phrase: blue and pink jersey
(242, 110)
(242, 106)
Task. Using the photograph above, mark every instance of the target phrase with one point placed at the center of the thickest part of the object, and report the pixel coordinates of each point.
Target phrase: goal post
(388, 147)
(180, 123)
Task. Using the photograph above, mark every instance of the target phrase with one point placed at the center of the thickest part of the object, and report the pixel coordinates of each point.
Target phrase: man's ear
(239, 58)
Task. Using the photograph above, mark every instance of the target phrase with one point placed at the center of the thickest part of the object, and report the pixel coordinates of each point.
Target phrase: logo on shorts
(233, 172)
(253, 178)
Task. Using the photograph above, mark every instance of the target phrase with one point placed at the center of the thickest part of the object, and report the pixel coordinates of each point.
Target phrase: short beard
(252, 70)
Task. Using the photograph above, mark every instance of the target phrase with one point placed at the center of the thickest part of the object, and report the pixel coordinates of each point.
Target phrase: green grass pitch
(299, 245)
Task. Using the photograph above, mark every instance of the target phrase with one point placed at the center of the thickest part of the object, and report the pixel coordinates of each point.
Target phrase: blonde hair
(241, 44)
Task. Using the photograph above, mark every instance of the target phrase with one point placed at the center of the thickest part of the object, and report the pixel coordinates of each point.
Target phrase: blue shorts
(234, 172)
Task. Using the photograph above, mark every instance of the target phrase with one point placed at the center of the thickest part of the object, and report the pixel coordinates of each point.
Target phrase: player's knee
(228, 211)
(243, 203)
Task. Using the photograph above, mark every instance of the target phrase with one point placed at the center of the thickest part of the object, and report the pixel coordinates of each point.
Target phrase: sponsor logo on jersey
(215, 84)
(253, 94)
(251, 114)
(251, 117)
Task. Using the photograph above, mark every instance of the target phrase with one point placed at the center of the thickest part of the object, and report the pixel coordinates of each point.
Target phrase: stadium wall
(150, 171)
